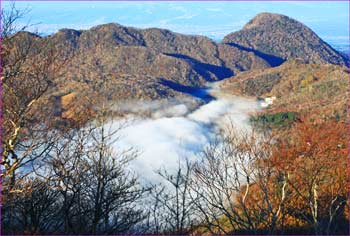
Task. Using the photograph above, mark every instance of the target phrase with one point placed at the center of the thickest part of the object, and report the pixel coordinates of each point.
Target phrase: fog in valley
(177, 130)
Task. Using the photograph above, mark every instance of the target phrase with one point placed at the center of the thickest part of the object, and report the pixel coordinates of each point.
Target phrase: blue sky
(330, 20)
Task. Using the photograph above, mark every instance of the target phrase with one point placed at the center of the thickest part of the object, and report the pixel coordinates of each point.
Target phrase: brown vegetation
(70, 179)
(280, 37)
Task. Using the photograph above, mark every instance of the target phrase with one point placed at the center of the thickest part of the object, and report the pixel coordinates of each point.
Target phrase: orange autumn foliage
(314, 158)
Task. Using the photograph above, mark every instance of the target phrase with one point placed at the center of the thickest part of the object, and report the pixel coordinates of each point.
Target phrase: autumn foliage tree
(291, 182)
(314, 157)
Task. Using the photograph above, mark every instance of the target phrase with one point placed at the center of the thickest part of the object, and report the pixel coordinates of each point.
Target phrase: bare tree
(173, 207)
(98, 193)
(29, 70)
(9, 20)
(90, 183)
(32, 210)
(232, 171)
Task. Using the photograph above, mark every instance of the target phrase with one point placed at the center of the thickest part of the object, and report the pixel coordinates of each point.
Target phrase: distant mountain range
(157, 63)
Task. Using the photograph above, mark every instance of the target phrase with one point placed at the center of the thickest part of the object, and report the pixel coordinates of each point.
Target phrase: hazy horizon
(330, 20)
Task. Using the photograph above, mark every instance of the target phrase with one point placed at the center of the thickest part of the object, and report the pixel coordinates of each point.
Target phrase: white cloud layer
(169, 136)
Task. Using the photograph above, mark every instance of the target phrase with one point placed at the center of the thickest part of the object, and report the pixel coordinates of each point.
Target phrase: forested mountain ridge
(156, 53)
(165, 61)
(278, 37)
(115, 62)
(321, 90)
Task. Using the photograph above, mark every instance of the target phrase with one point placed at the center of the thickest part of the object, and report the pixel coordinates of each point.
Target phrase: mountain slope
(114, 52)
(320, 90)
(278, 37)
(116, 62)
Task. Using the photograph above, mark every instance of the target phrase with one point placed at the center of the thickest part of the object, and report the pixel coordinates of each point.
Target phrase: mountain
(200, 52)
(197, 50)
(116, 62)
(320, 90)
(277, 38)
(142, 64)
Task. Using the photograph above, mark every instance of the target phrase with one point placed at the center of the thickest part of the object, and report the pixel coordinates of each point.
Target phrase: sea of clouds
(176, 131)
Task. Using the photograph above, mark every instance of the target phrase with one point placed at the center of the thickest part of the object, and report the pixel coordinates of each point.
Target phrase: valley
(122, 130)
(180, 130)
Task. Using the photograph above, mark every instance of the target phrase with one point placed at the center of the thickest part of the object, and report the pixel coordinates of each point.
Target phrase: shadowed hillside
(275, 35)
